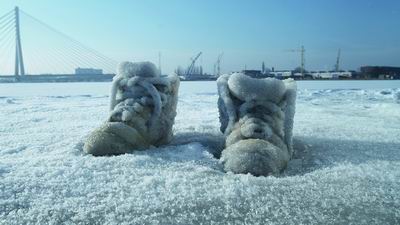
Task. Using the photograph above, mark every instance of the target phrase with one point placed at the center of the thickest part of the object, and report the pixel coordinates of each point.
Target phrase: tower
(19, 61)
(337, 65)
(303, 60)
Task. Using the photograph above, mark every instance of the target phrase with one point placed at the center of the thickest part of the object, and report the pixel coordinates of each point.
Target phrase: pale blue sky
(248, 32)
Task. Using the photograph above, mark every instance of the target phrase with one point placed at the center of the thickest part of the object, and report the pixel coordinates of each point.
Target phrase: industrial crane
(217, 65)
(303, 60)
(191, 67)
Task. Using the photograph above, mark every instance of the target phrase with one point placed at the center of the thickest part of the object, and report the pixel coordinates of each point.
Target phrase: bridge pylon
(19, 60)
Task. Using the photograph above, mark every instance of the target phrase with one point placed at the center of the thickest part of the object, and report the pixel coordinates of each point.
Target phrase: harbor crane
(191, 67)
(217, 66)
(337, 61)
(302, 56)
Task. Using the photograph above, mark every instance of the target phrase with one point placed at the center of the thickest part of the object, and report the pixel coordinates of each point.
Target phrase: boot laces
(135, 95)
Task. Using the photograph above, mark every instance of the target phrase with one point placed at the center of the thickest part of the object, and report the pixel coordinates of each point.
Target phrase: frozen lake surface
(346, 170)
(102, 88)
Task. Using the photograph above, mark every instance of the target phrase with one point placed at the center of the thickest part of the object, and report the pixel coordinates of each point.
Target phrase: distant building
(380, 72)
(281, 74)
(253, 73)
(331, 74)
(298, 75)
(88, 71)
(194, 77)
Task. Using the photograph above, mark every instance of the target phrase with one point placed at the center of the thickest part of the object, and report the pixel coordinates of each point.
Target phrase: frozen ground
(346, 171)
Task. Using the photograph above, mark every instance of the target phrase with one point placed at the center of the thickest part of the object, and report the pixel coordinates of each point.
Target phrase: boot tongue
(137, 69)
(247, 88)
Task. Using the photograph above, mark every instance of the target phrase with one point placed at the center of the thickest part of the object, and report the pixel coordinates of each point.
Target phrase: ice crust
(257, 119)
(345, 170)
(396, 96)
(142, 111)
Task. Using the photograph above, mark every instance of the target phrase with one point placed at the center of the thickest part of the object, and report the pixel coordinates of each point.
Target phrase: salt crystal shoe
(256, 117)
(142, 111)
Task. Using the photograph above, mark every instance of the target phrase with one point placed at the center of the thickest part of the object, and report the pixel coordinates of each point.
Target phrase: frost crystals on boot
(142, 111)
(256, 117)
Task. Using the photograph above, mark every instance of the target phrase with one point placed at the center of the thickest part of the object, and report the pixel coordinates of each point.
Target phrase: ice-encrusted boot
(256, 117)
(142, 111)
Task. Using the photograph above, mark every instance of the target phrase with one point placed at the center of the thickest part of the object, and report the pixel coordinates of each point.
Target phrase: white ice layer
(257, 119)
(347, 170)
(142, 111)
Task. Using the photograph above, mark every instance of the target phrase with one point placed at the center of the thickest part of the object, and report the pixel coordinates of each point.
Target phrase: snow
(346, 168)
(142, 111)
(257, 120)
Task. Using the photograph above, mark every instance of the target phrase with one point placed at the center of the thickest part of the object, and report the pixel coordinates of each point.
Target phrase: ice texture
(396, 96)
(142, 111)
(257, 119)
(345, 170)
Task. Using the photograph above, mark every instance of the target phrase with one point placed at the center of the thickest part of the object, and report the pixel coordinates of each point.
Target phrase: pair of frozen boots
(256, 118)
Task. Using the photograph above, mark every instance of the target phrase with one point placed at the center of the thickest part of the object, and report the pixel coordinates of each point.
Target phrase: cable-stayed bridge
(32, 50)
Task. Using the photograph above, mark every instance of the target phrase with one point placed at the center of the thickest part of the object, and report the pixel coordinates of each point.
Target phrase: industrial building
(88, 71)
(380, 72)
